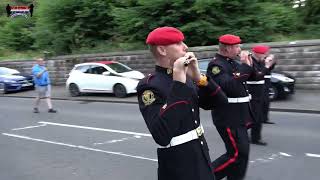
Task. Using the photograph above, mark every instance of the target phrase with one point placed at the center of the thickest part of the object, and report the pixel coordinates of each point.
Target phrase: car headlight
(285, 79)
(9, 81)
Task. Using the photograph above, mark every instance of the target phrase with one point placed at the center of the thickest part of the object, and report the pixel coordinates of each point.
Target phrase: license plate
(286, 89)
(27, 84)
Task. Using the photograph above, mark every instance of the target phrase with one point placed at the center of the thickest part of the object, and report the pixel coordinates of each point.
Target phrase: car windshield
(203, 64)
(6, 71)
(119, 68)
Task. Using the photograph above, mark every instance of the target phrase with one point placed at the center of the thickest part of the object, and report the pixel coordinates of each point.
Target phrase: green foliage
(17, 34)
(276, 18)
(204, 20)
(65, 25)
(85, 26)
(311, 12)
(6, 54)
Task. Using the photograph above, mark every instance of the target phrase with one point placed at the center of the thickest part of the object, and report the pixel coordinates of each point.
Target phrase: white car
(103, 77)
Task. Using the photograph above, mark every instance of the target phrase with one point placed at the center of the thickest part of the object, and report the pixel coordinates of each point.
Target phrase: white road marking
(272, 157)
(285, 154)
(96, 129)
(28, 127)
(78, 147)
(262, 160)
(313, 155)
(117, 140)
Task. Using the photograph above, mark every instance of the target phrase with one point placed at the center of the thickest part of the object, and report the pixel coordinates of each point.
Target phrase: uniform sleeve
(227, 81)
(211, 95)
(258, 73)
(272, 67)
(163, 115)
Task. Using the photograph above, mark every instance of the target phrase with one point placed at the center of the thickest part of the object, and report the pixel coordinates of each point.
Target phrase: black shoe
(268, 122)
(35, 110)
(260, 143)
(52, 111)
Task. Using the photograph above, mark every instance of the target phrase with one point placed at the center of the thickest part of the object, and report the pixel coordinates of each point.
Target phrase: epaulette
(148, 78)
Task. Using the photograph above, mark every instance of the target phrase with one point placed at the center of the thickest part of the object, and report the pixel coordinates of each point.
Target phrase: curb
(307, 111)
(79, 100)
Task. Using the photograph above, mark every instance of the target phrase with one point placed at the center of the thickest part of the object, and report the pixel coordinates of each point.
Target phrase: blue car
(12, 80)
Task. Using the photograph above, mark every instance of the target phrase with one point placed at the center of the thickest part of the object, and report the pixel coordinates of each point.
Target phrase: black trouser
(266, 106)
(256, 132)
(233, 164)
(258, 111)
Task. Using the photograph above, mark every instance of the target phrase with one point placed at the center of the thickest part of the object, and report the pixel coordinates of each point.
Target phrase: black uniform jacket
(171, 108)
(268, 80)
(257, 90)
(231, 75)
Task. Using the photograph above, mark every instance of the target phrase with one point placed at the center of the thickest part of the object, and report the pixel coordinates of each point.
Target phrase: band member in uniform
(266, 102)
(169, 101)
(232, 119)
(257, 90)
(31, 6)
(8, 9)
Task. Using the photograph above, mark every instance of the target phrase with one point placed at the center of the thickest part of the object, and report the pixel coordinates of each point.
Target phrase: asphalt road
(99, 141)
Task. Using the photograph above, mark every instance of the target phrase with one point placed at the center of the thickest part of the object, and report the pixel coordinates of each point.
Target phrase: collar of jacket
(164, 70)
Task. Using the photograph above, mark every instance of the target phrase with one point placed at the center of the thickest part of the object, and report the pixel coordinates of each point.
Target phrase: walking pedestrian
(42, 85)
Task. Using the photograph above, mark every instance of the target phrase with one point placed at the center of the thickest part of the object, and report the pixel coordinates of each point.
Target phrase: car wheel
(119, 91)
(74, 90)
(2, 88)
(273, 93)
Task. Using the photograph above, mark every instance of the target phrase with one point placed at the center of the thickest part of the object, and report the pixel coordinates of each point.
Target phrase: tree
(65, 25)
(204, 20)
(17, 34)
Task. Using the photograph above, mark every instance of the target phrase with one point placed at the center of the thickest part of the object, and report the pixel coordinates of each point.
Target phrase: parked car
(103, 77)
(282, 84)
(12, 80)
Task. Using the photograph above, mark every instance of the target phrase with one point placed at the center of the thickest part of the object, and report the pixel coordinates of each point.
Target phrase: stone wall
(299, 58)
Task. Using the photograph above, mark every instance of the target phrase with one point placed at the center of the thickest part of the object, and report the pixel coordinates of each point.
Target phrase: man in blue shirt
(42, 84)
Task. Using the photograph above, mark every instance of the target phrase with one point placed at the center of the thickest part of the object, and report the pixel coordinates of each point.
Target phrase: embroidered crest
(215, 70)
(148, 97)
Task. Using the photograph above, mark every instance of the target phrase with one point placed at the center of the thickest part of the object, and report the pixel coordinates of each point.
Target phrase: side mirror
(106, 73)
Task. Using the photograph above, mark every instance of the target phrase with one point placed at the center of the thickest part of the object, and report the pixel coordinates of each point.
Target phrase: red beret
(164, 36)
(229, 39)
(261, 49)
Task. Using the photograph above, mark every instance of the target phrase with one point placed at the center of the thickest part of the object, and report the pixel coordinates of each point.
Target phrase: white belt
(267, 76)
(255, 82)
(186, 137)
(240, 99)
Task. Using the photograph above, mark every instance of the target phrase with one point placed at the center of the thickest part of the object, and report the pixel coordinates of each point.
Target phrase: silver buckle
(199, 131)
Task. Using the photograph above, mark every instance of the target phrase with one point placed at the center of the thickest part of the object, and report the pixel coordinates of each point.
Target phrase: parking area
(126, 144)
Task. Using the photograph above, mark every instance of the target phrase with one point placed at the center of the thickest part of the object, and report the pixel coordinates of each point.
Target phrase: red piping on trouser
(171, 105)
(233, 159)
(216, 92)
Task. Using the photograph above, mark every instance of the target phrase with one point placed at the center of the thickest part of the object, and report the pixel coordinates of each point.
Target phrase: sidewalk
(304, 101)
